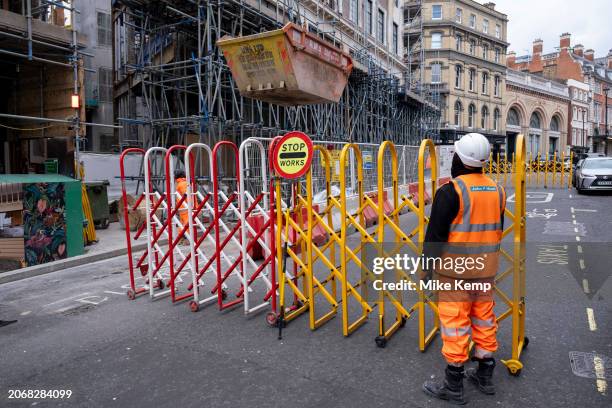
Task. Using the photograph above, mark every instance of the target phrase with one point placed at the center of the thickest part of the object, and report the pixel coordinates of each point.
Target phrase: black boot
(451, 389)
(483, 376)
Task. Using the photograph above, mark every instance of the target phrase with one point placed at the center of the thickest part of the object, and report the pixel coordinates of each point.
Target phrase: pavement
(110, 244)
(77, 331)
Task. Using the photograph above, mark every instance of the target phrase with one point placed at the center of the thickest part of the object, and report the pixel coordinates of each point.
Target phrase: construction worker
(466, 213)
(181, 189)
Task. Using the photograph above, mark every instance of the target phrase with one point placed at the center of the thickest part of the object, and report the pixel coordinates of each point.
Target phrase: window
(485, 51)
(436, 12)
(472, 47)
(484, 118)
(534, 122)
(471, 115)
(368, 16)
(436, 73)
(354, 11)
(395, 39)
(458, 42)
(471, 79)
(340, 7)
(458, 76)
(436, 40)
(496, 116)
(513, 118)
(396, 3)
(458, 110)
(496, 83)
(554, 124)
(497, 55)
(380, 29)
(105, 84)
(485, 26)
(497, 31)
(597, 112)
(472, 20)
(458, 15)
(105, 33)
(485, 83)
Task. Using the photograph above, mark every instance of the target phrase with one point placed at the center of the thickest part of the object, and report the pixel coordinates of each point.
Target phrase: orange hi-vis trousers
(458, 320)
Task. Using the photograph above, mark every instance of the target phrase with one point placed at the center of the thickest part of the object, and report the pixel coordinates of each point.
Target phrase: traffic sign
(292, 155)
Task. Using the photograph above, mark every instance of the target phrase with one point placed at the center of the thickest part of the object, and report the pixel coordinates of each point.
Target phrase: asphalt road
(77, 330)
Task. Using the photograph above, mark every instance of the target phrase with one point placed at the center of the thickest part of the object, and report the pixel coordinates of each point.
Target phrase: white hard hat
(473, 149)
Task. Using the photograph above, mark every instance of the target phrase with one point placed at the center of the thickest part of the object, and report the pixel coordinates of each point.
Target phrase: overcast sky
(588, 21)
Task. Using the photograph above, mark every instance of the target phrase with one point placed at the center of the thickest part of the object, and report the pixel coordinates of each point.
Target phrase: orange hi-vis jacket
(477, 228)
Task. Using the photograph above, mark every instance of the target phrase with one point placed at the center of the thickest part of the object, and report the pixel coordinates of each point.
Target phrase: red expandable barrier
(129, 238)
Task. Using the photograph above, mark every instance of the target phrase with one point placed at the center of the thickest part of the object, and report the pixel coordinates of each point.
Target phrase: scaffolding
(173, 86)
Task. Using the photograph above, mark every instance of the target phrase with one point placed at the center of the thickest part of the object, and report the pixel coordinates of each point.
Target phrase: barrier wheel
(525, 342)
(272, 319)
(194, 306)
(131, 294)
(403, 322)
(515, 372)
(381, 341)
(223, 294)
(160, 284)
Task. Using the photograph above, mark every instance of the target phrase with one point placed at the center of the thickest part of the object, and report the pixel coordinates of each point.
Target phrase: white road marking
(572, 209)
(584, 210)
(574, 221)
(114, 293)
(585, 286)
(575, 229)
(578, 238)
(591, 319)
(581, 261)
(68, 298)
(27, 312)
(93, 300)
(579, 248)
(570, 196)
(602, 384)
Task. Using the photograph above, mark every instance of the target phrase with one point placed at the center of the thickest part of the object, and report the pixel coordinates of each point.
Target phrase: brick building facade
(579, 69)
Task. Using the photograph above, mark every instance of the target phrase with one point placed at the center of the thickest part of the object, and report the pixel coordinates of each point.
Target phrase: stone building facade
(580, 65)
(539, 109)
(465, 48)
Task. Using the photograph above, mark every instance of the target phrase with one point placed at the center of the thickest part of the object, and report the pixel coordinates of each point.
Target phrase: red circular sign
(292, 155)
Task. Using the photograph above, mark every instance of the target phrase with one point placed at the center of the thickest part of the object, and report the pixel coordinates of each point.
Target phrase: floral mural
(44, 224)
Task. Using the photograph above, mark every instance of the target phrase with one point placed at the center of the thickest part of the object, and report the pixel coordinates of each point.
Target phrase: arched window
(554, 124)
(484, 118)
(471, 115)
(458, 111)
(513, 117)
(535, 133)
(496, 119)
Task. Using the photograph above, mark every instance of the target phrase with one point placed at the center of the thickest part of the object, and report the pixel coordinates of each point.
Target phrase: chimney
(538, 44)
(490, 5)
(579, 50)
(589, 54)
(564, 42)
(609, 59)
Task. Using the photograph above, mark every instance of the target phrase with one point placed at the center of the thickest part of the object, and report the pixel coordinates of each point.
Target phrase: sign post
(291, 159)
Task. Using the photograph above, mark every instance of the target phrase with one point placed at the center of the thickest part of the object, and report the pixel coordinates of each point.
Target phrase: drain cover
(591, 365)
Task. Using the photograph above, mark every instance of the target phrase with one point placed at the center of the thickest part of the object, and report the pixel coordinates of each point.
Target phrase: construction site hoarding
(288, 66)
